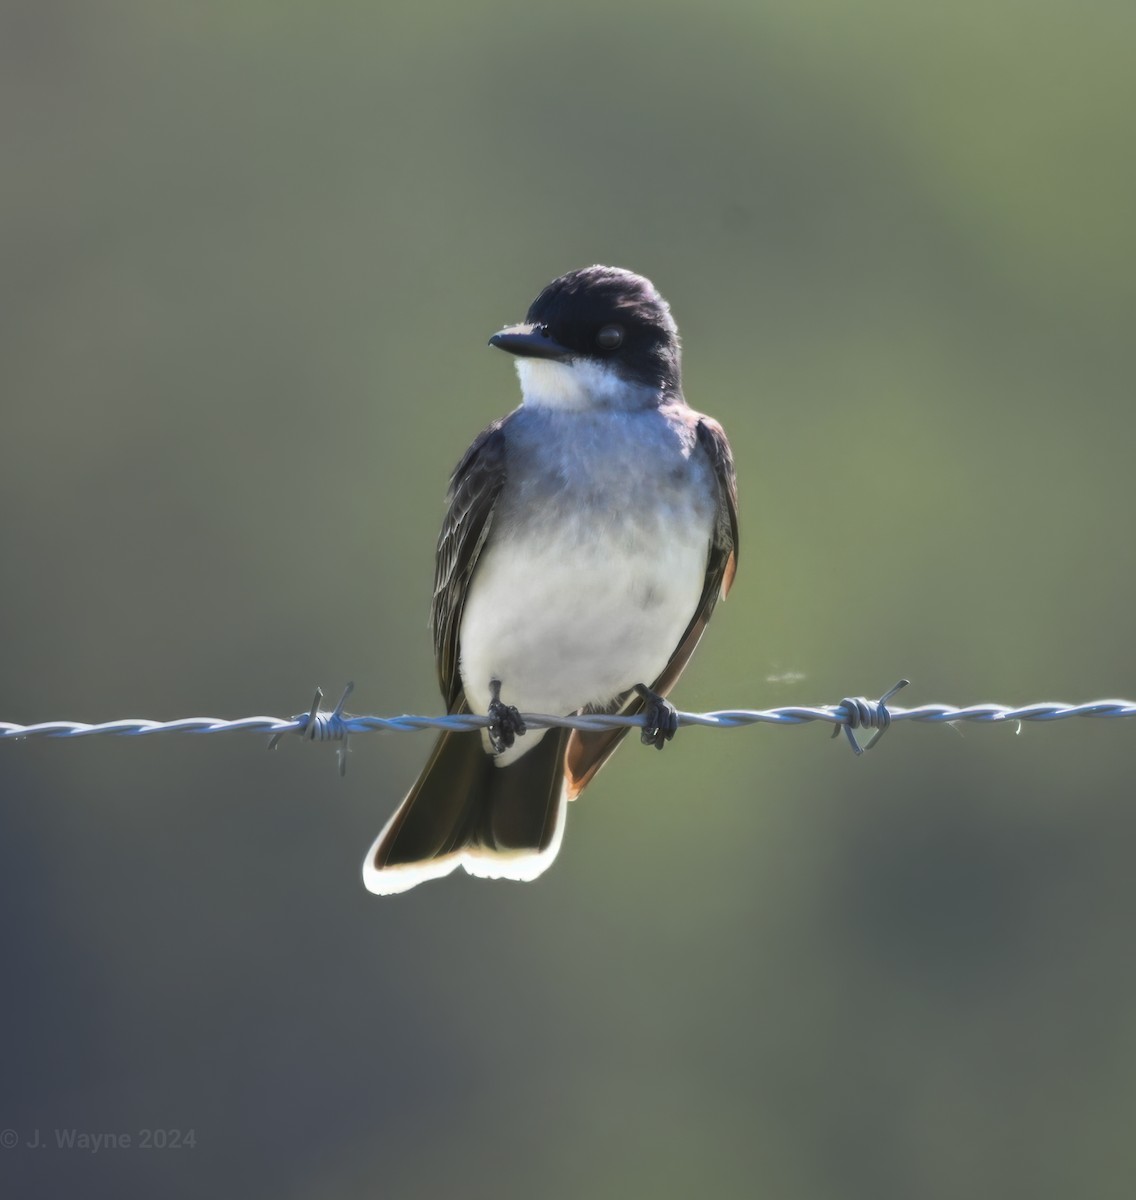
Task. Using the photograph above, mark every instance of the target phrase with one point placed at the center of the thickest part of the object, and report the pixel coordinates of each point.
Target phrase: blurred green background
(252, 253)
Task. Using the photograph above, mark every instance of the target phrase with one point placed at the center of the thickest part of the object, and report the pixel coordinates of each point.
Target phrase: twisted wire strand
(319, 725)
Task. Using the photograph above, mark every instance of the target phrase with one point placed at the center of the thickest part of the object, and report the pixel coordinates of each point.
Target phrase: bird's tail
(496, 822)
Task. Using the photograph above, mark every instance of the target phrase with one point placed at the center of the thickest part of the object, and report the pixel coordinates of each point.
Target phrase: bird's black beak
(530, 341)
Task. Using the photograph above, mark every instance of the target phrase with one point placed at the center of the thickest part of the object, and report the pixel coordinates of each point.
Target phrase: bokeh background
(252, 253)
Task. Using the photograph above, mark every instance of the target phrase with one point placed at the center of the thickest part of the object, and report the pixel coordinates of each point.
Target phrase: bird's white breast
(581, 609)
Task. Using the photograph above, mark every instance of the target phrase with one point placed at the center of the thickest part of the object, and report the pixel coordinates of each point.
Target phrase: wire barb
(866, 714)
(319, 726)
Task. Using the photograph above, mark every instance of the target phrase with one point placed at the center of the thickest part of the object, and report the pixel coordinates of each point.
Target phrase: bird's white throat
(578, 383)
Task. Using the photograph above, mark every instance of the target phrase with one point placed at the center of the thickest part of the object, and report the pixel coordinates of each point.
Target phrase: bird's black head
(605, 315)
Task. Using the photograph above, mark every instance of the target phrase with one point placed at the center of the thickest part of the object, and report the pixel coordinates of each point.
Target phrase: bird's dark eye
(610, 337)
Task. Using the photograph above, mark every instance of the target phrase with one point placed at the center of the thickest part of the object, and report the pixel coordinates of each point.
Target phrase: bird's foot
(660, 718)
(505, 722)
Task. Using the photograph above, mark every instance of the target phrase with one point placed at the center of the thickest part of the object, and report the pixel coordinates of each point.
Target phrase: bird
(587, 538)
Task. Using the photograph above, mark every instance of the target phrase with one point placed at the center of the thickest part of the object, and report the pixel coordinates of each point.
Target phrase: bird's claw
(660, 718)
(505, 722)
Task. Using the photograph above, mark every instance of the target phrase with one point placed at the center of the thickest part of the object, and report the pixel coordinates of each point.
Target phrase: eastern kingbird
(588, 536)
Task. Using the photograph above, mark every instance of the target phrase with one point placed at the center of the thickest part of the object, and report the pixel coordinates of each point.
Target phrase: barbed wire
(318, 724)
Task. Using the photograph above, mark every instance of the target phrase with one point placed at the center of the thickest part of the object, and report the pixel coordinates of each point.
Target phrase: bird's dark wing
(474, 487)
(587, 752)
